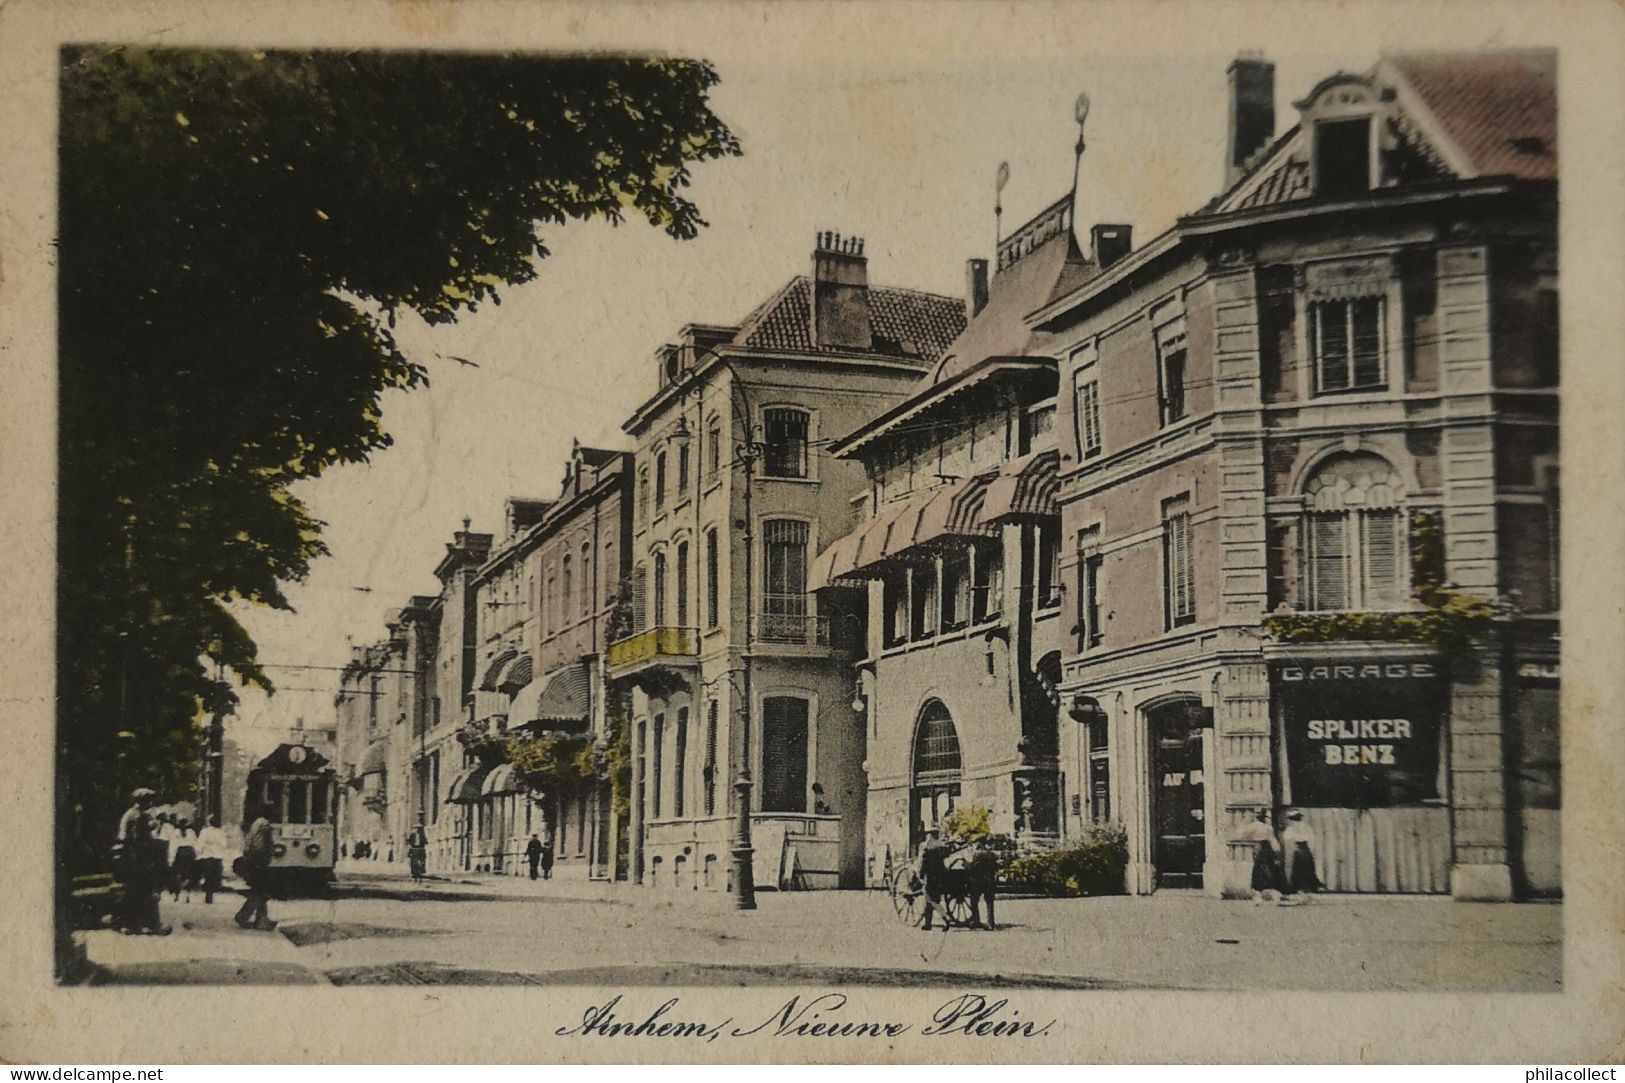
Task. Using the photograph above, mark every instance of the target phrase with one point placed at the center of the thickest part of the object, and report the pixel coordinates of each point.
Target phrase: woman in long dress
(1266, 882)
(1297, 844)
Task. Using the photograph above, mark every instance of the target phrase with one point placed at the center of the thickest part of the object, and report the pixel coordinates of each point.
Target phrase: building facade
(729, 663)
(955, 561)
(1308, 478)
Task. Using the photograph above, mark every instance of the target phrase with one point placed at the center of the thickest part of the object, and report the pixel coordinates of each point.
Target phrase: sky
(902, 154)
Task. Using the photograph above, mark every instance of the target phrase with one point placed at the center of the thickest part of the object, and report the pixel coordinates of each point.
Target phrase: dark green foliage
(1094, 866)
(238, 232)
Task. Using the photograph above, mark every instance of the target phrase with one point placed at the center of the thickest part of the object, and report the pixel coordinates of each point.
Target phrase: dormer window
(1343, 157)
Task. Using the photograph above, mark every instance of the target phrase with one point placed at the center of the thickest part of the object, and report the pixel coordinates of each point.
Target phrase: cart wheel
(905, 895)
(957, 910)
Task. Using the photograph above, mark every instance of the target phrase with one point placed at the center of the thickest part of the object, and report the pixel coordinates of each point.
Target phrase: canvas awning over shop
(465, 786)
(516, 674)
(488, 683)
(561, 698)
(503, 779)
(947, 511)
(1024, 487)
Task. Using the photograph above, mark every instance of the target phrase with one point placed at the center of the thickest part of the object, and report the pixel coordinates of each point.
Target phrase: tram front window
(318, 801)
(298, 793)
(274, 801)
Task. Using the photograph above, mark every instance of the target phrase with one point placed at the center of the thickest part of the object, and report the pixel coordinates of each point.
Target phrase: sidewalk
(205, 948)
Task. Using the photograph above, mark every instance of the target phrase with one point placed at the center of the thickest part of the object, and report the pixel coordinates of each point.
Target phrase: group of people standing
(165, 850)
(1284, 865)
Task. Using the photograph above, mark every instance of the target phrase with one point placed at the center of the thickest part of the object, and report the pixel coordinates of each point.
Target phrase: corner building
(1289, 427)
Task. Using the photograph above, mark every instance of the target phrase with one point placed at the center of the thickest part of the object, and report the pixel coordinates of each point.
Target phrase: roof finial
(1080, 111)
(1000, 179)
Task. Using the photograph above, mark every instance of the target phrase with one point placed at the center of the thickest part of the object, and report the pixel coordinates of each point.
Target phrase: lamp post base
(744, 875)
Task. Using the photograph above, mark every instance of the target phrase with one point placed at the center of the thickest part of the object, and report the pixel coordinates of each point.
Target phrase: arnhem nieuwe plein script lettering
(968, 1014)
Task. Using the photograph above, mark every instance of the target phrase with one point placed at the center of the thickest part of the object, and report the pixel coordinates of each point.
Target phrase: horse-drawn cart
(969, 875)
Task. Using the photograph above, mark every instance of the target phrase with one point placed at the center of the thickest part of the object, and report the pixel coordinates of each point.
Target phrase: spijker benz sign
(1360, 734)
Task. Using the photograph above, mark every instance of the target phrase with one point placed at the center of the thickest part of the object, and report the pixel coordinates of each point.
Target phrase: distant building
(728, 662)
(1287, 424)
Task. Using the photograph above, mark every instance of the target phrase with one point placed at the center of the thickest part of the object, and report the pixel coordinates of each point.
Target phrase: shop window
(680, 765)
(1356, 551)
(784, 754)
(1342, 157)
(1347, 339)
(1086, 408)
(1178, 564)
(786, 437)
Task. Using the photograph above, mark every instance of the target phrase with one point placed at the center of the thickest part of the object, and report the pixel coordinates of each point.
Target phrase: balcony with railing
(652, 648)
(787, 620)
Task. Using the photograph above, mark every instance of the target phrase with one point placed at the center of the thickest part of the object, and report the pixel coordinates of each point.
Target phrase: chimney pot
(840, 301)
(975, 285)
(1252, 111)
(1111, 241)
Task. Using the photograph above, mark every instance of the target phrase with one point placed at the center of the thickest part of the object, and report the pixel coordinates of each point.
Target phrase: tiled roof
(905, 323)
(1498, 108)
(1464, 115)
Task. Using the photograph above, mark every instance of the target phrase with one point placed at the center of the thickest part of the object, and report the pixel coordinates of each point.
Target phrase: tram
(296, 790)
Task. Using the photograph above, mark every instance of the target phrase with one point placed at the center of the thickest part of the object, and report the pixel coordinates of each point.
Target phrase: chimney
(1252, 111)
(1111, 242)
(840, 300)
(975, 286)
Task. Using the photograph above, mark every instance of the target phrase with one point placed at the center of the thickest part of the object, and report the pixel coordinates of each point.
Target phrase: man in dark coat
(933, 873)
(533, 854)
(141, 862)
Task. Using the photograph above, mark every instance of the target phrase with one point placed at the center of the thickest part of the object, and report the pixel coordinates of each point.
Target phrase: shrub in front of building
(1093, 866)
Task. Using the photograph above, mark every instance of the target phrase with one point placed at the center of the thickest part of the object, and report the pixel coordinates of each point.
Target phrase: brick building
(1308, 477)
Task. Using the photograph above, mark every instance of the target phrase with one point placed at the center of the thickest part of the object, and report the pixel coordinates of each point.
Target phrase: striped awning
(561, 698)
(465, 786)
(1024, 487)
(516, 674)
(948, 511)
(489, 682)
(503, 779)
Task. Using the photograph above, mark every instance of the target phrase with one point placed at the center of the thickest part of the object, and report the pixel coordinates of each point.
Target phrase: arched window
(564, 607)
(936, 746)
(1356, 553)
(682, 584)
(936, 768)
(586, 578)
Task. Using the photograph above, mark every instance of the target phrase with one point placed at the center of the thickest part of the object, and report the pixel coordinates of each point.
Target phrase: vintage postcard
(819, 532)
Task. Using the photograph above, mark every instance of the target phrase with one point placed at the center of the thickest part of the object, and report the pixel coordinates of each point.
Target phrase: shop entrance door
(1177, 789)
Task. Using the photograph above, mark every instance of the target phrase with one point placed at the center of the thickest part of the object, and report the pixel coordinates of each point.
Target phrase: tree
(238, 233)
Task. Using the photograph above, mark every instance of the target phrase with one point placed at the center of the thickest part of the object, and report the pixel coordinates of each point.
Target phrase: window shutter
(1382, 554)
(1328, 558)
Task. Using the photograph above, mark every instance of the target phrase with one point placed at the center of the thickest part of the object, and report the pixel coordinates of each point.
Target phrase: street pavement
(382, 929)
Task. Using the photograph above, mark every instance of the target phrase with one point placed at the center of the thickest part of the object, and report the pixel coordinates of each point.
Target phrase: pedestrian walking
(254, 867)
(547, 857)
(211, 857)
(182, 860)
(417, 848)
(1266, 882)
(139, 867)
(933, 874)
(533, 854)
(1298, 856)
